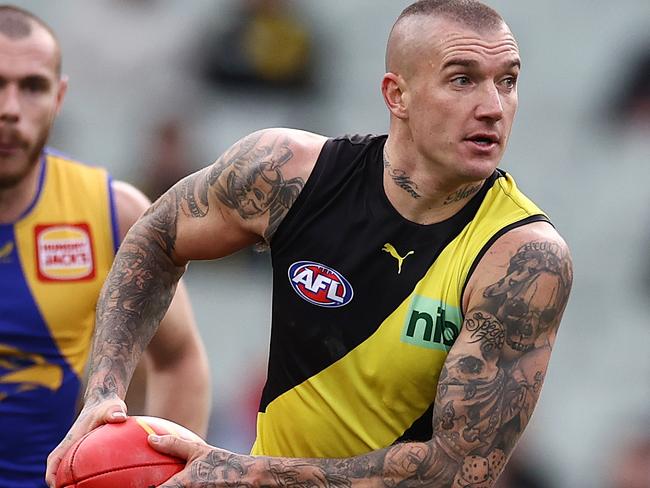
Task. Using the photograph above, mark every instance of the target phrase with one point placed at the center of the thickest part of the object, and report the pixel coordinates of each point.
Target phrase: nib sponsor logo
(431, 323)
(21, 372)
(319, 284)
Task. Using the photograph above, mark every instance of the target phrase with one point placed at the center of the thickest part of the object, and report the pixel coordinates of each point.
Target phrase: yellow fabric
(73, 210)
(371, 396)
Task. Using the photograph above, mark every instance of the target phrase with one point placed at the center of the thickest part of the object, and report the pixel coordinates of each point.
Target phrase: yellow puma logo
(6, 249)
(390, 249)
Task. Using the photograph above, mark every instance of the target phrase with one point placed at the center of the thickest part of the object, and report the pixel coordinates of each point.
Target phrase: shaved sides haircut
(17, 23)
(471, 13)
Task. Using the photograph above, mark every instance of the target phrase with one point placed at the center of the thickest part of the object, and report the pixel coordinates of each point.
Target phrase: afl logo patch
(319, 284)
(64, 252)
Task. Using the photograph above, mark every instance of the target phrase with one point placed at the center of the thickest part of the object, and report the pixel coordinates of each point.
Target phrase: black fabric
(342, 219)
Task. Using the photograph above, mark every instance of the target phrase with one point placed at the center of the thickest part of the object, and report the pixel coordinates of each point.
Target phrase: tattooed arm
(487, 390)
(239, 200)
(174, 362)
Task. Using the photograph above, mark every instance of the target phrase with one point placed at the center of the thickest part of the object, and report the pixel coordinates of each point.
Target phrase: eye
(462, 80)
(35, 84)
(510, 82)
(515, 308)
(548, 315)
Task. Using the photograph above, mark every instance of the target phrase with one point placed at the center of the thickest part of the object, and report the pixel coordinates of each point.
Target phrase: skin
(31, 95)
(467, 88)
(433, 163)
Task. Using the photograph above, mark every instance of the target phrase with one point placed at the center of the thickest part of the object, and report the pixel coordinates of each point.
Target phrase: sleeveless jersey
(366, 305)
(53, 261)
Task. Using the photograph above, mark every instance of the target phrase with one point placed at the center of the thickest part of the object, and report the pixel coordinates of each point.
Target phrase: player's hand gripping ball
(118, 455)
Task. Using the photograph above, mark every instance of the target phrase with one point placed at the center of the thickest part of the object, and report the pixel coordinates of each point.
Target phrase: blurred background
(159, 88)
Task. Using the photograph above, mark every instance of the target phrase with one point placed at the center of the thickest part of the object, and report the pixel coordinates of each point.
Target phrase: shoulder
(289, 150)
(130, 204)
(262, 174)
(531, 251)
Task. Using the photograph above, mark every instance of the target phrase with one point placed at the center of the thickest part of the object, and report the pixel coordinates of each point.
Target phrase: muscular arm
(237, 201)
(487, 390)
(175, 362)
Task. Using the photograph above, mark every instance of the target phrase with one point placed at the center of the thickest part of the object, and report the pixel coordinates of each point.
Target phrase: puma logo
(390, 249)
(6, 249)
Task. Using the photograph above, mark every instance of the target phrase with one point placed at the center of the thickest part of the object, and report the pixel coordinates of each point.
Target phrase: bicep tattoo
(248, 179)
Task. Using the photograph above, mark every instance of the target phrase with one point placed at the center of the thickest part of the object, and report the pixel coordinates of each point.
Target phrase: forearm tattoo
(486, 395)
(135, 296)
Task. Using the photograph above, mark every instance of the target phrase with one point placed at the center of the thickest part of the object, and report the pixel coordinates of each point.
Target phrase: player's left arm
(488, 387)
(175, 361)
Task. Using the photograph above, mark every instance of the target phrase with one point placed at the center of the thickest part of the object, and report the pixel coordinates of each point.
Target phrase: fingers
(115, 414)
(108, 411)
(173, 445)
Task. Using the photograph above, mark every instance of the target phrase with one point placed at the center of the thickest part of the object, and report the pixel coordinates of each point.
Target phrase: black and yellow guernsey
(366, 305)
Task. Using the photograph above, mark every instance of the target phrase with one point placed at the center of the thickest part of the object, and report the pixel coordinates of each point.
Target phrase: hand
(92, 415)
(205, 464)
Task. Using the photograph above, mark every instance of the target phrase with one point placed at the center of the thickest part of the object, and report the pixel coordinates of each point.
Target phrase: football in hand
(118, 455)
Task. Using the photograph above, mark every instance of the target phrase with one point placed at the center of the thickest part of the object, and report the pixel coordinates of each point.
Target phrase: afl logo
(319, 284)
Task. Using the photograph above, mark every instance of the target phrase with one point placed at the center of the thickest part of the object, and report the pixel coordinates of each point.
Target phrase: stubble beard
(31, 160)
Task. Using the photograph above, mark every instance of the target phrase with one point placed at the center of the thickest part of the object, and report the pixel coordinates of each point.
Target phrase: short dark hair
(17, 23)
(471, 13)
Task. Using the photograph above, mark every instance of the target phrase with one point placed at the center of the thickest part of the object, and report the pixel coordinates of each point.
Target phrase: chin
(477, 172)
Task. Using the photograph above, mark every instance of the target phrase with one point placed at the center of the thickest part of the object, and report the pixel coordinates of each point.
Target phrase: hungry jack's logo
(64, 252)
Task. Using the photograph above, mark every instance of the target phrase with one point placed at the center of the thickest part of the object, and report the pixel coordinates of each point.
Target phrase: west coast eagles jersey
(53, 261)
(367, 305)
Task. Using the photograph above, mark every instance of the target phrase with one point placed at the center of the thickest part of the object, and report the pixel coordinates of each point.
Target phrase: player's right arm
(237, 201)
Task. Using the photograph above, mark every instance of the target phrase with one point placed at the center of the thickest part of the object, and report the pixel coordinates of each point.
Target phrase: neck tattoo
(401, 179)
(462, 193)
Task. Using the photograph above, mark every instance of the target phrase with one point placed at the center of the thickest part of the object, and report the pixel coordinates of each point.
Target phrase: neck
(421, 195)
(16, 199)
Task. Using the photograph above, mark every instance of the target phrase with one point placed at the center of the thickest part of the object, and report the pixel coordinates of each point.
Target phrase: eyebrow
(472, 63)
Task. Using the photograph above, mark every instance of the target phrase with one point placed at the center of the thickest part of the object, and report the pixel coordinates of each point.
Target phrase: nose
(9, 104)
(490, 107)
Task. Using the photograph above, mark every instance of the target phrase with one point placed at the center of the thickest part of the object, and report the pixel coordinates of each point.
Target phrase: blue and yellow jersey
(53, 261)
(367, 305)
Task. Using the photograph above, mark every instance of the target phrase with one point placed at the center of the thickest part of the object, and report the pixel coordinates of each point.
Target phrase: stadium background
(134, 64)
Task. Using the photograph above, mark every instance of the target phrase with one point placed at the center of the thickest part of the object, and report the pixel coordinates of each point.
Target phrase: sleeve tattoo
(248, 178)
(486, 395)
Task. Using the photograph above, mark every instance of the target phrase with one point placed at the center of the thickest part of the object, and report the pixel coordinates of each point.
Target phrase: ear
(392, 88)
(63, 88)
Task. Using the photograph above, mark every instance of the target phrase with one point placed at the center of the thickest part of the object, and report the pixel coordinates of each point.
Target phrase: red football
(118, 455)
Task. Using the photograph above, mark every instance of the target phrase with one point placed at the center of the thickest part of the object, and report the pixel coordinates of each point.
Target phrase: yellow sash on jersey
(370, 397)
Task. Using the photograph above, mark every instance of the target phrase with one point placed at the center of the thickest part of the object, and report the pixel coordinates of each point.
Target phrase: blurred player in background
(60, 225)
(417, 292)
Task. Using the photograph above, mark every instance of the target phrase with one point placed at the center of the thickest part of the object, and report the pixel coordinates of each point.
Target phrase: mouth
(483, 141)
(10, 143)
(8, 149)
(518, 346)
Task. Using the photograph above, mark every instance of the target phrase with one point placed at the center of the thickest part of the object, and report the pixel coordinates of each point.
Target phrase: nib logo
(432, 324)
